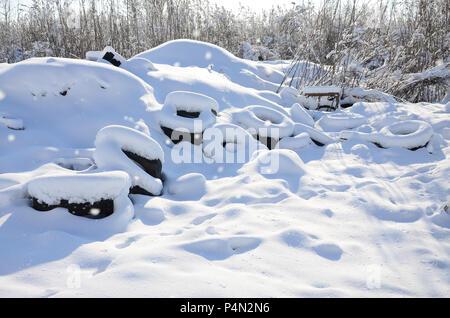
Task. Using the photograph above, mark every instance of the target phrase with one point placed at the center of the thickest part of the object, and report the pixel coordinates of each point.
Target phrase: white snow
(264, 121)
(110, 142)
(276, 163)
(79, 187)
(191, 186)
(94, 55)
(11, 123)
(190, 102)
(358, 94)
(109, 49)
(237, 141)
(314, 133)
(346, 219)
(321, 90)
(297, 142)
(289, 94)
(338, 121)
(139, 65)
(95, 96)
(77, 164)
(407, 134)
(300, 115)
(130, 140)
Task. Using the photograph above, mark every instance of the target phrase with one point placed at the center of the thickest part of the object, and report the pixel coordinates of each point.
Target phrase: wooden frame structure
(332, 92)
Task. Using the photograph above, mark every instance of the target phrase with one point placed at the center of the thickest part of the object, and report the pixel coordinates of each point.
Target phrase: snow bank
(80, 187)
(204, 55)
(64, 102)
(112, 141)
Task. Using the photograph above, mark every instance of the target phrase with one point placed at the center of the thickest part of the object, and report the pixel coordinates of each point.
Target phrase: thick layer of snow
(139, 65)
(94, 55)
(14, 190)
(322, 90)
(300, 115)
(276, 163)
(407, 134)
(77, 164)
(64, 102)
(191, 186)
(79, 187)
(348, 219)
(110, 143)
(289, 95)
(190, 102)
(358, 94)
(338, 121)
(297, 142)
(237, 141)
(314, 133)
(12, 123)
(264, 121)
(130, 140)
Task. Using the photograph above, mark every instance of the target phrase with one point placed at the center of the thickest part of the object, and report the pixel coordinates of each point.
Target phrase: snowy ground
(346, 219)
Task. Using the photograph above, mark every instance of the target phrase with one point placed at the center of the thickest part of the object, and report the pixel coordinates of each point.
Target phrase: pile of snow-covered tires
(126, 161)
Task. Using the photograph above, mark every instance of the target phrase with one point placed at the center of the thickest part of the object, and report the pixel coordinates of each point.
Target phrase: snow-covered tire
(241, 142)
(319, 137)
(90, 195)
(294, 143)
(410, 134)
(185, 115)
(110, 55)
(265, 124)
(123, 148)
(300, 115)
(340, 121)
(12, 123)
